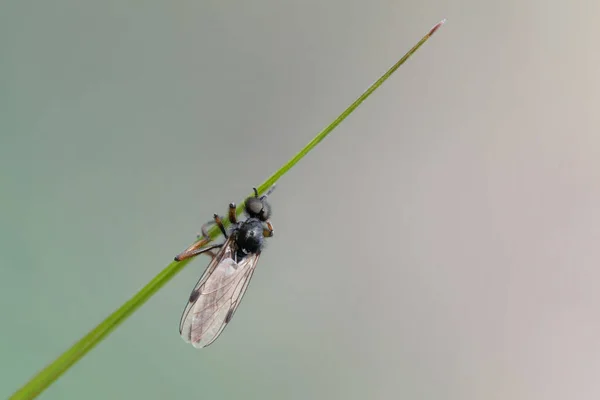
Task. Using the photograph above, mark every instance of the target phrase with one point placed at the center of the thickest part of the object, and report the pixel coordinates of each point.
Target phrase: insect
(218, 293)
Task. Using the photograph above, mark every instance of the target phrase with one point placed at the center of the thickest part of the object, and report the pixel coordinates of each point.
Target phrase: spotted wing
(216, 296)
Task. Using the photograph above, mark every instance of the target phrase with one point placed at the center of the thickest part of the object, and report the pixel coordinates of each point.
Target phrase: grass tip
(437, 26)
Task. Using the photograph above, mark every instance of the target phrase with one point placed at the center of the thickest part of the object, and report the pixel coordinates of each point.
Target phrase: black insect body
(219, 291)
(248, 238)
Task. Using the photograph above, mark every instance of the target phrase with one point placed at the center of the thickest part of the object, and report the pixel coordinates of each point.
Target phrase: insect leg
(232, 217)
(219, 222)
(204, 231)
(203, 240)
(194, 252)
(211, 253)
(268, 231)
(200, 246)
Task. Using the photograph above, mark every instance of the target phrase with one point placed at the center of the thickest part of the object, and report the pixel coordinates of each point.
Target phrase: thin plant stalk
(54, 370)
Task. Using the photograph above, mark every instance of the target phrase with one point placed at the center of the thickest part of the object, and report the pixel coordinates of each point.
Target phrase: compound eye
(257, 207)
(265, 213)
(254, 206)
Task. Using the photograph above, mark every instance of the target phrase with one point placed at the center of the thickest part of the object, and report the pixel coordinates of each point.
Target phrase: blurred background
(442, 243)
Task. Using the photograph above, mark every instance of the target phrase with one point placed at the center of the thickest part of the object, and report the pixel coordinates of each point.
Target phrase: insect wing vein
(184, 322)
(218, 294)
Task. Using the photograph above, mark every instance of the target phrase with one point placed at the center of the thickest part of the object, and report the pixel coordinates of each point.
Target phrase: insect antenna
(264, 196)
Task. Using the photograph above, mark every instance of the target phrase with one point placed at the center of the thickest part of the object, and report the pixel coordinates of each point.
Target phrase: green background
(442, 243)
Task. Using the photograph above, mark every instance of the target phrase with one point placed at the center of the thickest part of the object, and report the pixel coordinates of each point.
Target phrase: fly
(218, 293)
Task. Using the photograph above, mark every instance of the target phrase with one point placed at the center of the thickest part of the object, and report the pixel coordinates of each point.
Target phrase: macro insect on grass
(219, 291)
(39, 382)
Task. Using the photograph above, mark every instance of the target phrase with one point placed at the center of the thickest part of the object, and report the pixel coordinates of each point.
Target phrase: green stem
(48, 375)
(275, 177)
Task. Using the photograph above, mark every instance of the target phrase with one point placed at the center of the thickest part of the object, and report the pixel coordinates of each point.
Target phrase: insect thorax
(249, 237)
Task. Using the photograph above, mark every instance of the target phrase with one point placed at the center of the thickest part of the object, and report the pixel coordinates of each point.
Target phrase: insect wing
(216, 296)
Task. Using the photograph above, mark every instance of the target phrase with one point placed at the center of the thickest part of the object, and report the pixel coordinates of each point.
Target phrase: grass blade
(53, 371)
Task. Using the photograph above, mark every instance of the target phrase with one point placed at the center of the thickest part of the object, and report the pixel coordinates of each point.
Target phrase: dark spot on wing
(229, 315)
(194, 296)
